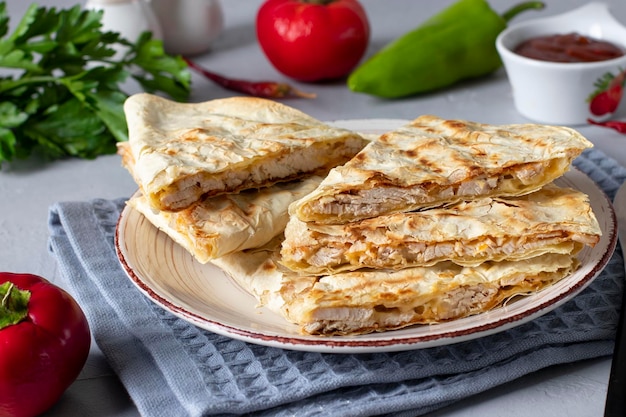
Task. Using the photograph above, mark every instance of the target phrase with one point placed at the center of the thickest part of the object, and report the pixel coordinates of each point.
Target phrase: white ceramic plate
(204, 296)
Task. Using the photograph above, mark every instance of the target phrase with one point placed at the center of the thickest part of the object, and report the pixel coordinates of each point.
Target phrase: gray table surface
(29, 188)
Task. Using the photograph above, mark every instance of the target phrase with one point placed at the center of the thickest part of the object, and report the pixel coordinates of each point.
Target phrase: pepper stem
(517, 9)
(13, 304)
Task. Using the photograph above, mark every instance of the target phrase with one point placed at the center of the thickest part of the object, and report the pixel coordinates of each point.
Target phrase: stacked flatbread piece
(437, 220)
(218, 176)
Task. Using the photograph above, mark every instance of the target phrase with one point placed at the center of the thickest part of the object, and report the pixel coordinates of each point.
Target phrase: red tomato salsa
(571, 47)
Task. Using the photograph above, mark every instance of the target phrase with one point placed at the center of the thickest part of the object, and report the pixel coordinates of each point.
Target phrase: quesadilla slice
(366, 301)
(432, 161)
(215, 226)
(184, 151)
(551, 220)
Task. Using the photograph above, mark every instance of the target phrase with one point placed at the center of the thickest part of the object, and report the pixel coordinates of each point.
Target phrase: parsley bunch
(60, 82)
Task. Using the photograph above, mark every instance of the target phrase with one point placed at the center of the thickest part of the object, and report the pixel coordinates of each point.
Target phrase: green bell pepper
(456, 44)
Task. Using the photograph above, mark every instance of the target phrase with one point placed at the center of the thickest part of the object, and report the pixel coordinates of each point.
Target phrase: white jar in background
(128, 17)
(189, 26)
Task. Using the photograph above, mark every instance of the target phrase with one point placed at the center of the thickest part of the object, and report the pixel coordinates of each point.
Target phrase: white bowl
(556, 92)
(189, 26)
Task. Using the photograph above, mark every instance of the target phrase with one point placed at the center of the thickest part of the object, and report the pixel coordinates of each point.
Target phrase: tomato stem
(265, 89)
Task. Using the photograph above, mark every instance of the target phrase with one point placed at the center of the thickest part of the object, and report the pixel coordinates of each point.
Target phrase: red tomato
(313, 40)
(44, 343)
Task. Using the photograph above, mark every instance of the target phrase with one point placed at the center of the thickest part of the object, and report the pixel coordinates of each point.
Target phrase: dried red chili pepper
(264, 89)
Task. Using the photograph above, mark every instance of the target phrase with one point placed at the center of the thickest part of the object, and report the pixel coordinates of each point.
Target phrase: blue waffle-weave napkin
(172, 368)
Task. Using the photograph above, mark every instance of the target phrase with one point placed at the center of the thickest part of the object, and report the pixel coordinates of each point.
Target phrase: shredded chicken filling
(362, 253)
(456, 303)
(291, 165)
(389, 198)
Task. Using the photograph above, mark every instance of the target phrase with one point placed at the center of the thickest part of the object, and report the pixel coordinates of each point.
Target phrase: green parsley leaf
(62, 92)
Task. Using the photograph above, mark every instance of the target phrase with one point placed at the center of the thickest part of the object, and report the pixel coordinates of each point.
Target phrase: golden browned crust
(215, 226)
(433, 161)
(366, 301)
(553, 219)
(183, 151)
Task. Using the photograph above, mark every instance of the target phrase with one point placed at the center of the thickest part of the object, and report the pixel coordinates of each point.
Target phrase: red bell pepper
(44, 343)
(313, 40)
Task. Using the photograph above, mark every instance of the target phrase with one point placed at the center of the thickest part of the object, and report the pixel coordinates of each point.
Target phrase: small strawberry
(608, 94)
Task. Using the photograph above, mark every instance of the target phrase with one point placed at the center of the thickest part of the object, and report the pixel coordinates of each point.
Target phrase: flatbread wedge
(550, 220)
(215, 226)
(367, 301)
(432, 161)
(184, 151)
